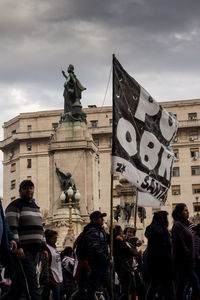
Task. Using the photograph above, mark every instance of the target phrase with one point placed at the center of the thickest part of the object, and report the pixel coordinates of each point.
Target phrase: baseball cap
(97, 214)
(25, 183)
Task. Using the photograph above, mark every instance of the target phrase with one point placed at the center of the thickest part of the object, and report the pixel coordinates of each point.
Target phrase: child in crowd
(51, 277)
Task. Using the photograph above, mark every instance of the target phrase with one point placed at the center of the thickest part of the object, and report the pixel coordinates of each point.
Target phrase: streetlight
(70, 204)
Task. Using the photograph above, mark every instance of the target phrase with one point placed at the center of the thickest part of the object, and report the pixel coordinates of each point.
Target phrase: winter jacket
(7, 233)
(183, 245)
(158, 261)
(95, 239)
(123, 255)
(25, 221)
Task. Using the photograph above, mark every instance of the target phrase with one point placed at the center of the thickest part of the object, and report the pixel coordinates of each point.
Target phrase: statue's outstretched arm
(63, 72)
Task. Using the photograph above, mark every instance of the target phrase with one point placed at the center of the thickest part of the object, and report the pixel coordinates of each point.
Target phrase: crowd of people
(32, 267)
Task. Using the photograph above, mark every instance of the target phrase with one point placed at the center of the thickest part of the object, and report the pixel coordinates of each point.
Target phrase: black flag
(142, 132)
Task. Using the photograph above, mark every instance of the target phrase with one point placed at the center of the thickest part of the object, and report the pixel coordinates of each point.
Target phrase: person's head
(70, 69)
(68, 251)
(68, 175)
(26, 189)
(117, 231)
(51, 237)
(160, 218)
(129, 232)
(180, 212)
(97, 217)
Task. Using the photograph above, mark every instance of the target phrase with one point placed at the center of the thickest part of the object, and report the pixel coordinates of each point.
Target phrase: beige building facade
(27, 148)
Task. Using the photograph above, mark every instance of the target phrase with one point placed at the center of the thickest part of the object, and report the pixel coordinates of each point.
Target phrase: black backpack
(81, 247)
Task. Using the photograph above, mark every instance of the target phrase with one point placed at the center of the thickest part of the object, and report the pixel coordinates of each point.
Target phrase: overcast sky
(156, 41)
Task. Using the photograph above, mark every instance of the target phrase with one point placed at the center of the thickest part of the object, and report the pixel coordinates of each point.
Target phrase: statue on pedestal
(72, 94)
(127, 210)
(65, 183)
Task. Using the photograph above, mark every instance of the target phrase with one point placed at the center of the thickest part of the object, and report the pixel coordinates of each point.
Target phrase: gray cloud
(157, 42)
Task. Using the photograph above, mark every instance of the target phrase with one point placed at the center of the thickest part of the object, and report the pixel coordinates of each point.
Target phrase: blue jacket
(7, 233)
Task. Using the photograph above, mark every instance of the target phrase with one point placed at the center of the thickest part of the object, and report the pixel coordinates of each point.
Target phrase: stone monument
(125, 212)
(73, 163)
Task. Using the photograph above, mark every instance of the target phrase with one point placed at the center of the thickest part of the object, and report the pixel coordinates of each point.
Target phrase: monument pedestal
(127, 193)
(59, 221)
(72, 149)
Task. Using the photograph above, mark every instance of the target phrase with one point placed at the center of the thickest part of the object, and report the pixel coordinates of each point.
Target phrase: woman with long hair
(184, 252)
(158, 260)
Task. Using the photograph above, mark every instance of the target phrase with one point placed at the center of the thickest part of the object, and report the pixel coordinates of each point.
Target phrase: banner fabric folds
(142, 132)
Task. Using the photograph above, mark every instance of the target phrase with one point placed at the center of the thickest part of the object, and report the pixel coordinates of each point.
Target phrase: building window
(29, 127)
(176, 190)
(196, 188)
(195, 170)
(192, 116)
(176, 154)
(14, 131)
(29, 177)
(99, 194)
(29, 163)
(194, 152)
(99, 176)
(54, 126)
(115, 195)
(12, 198)
(12, 184)
(110, 122)
(29, 147)
(94, 123)
(96, 141)
(196, 206)
(175, 172)
(13, 167)
(193, 136)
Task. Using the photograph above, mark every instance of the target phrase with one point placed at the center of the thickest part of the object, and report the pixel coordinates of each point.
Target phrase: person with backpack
(91, 249)
(67, 261)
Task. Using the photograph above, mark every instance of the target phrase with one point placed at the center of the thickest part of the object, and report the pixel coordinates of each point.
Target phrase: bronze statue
(72, 95)
(65, 183)
(127, 210)
(117, 212)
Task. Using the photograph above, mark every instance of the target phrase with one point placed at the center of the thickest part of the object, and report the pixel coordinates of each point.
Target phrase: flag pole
(111, 199)
(136, 209)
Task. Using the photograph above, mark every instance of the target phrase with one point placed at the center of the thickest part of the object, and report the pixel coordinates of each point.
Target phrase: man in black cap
(95, 238)
(25, 221)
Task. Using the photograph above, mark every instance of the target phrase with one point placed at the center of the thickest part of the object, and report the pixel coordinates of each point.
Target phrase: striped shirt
(25, 221)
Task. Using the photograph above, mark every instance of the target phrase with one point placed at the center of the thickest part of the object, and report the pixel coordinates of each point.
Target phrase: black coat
(123, 256)
(158, 258)
(95, 238)
(183, 245)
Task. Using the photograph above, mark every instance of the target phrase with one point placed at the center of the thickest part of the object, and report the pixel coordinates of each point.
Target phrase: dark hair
(159, 224)
(178, 210)
(49, 234)
(160, 218)
(116, 230)
(24, 183)
(131, 228)
(66, 252)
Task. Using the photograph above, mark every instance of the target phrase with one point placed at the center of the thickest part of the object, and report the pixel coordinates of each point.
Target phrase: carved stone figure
(117, 212)
(127, 210)
(65, 183)
(141, 213)
(72, 94)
